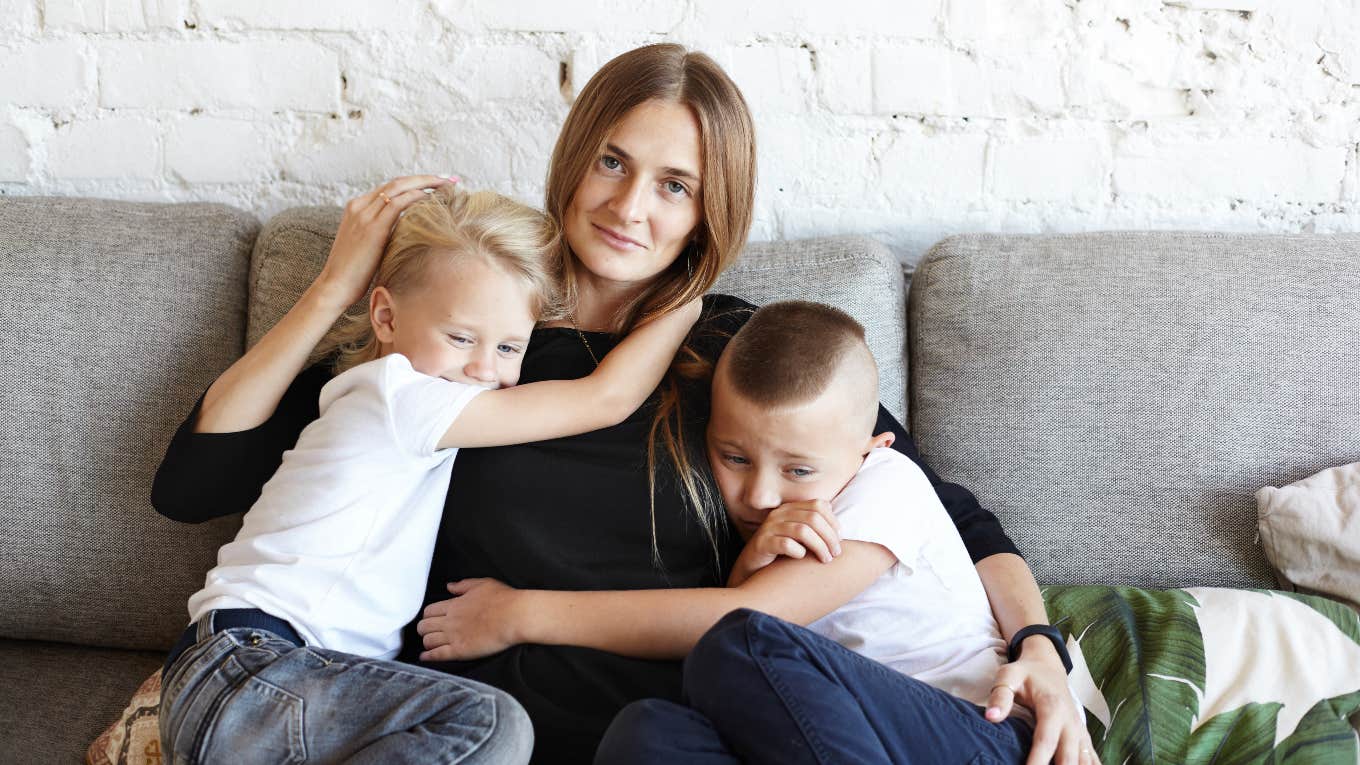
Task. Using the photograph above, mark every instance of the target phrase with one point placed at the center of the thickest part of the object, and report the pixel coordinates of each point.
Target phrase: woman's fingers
(434, 639)
(1045, 742)
(385, 196)
(462, 586)
(1000, 701)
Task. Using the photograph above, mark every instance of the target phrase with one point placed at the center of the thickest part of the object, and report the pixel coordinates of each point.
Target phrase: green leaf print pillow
(1213, 675)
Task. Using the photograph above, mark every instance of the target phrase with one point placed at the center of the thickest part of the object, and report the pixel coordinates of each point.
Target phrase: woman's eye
(610, 162)
(735, 459)
(676, 187)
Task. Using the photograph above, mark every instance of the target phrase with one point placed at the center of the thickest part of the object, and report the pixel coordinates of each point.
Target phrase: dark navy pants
(759, 689)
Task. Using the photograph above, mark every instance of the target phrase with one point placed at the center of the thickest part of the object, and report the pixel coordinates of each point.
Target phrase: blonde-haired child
(288, 657)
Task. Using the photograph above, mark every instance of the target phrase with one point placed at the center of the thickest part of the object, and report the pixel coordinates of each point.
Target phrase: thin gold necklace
(584, 341)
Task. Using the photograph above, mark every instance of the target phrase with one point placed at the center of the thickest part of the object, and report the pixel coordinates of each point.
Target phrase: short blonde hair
(449, 226)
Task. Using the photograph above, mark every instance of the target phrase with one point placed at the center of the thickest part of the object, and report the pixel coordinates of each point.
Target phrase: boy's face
(468, 322)
(763, 458)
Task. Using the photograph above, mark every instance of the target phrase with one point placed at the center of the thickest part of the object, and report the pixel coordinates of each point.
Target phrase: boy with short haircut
(791, 444)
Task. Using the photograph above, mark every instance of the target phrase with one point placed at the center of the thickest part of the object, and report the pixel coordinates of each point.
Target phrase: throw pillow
(1310, 531)
(1212, 674)
(135, 739)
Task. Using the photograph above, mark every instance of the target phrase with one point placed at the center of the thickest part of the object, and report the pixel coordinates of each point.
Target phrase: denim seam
(487, 735)
(786, 695)
(237, 676)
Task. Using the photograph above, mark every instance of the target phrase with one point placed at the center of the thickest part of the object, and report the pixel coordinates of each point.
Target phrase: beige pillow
(1310, 531)
(135, 739)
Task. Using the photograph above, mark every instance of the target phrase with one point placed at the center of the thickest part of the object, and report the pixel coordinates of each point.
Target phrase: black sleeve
(981, 531)
(209, 475)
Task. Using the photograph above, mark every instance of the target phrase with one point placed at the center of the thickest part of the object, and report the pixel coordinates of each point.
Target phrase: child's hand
(478, 621)
(364, 228)
(792, 530)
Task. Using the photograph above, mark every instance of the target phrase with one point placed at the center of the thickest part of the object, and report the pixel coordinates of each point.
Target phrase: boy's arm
(649, 624)
(557, 408)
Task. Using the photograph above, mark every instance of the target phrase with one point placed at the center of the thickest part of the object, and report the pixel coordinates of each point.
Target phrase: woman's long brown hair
(668, 72)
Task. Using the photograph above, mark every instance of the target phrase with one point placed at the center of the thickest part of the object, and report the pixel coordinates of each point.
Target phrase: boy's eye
(459, 339)
(507, 349)
(801, 472)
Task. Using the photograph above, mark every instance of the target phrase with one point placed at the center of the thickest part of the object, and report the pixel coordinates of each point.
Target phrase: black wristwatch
(1052, 633)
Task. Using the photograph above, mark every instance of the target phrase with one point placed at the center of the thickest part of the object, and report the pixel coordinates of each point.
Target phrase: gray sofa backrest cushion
(117, 316)
(855, 274)
(1118, 398)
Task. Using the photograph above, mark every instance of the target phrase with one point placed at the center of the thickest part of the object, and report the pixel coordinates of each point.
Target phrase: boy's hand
(478, 621)
(792, 530)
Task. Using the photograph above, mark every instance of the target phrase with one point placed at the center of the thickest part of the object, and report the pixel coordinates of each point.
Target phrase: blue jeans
(248, 695)
(759, 689)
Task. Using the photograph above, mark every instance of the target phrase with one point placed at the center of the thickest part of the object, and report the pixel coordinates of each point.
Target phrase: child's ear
(884, 439)
(380, 314)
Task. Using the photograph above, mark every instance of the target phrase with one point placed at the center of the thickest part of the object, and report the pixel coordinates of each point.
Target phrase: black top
(566, 514)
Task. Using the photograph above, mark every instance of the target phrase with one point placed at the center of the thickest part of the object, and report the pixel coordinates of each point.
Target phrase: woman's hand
(478, 621)
(792, 530)
(1037, 680)
(364, 228)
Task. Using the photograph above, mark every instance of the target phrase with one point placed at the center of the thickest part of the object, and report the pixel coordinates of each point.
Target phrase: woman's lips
(617, 241)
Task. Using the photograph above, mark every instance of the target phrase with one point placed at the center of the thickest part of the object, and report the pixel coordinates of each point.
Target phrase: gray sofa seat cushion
(855, 274)
(1118, 398)
(56, 699)
(117, 316)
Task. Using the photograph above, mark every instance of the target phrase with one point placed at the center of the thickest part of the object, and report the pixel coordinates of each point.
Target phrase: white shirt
(928, 616)
(340, 540)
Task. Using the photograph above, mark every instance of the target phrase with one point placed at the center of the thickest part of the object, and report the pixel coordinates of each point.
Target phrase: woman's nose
(628, 203)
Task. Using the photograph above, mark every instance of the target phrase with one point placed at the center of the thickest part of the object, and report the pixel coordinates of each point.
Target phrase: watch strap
(1048, 631)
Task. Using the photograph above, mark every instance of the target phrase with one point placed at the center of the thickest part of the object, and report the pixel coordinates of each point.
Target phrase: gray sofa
(1115, 398)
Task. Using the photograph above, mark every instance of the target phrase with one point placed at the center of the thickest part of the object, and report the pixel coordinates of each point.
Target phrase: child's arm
(246, 394)
(557, 408)
(488, 616)
(792, 530)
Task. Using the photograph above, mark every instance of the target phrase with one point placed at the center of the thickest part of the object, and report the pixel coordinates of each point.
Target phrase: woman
(652, 180)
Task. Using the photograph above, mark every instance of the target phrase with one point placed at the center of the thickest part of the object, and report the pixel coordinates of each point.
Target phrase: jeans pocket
(255, 722)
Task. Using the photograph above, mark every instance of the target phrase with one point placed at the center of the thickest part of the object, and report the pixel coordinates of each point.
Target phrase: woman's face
(639, 203)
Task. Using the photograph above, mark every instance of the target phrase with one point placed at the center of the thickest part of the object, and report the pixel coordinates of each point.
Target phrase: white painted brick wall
(112, 15)
(264, 75)
(13, 155)
(106, 149)
(904, 119)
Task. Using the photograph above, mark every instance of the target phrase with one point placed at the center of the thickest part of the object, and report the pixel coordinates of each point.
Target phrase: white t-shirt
(340, 540)
(928, 616)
